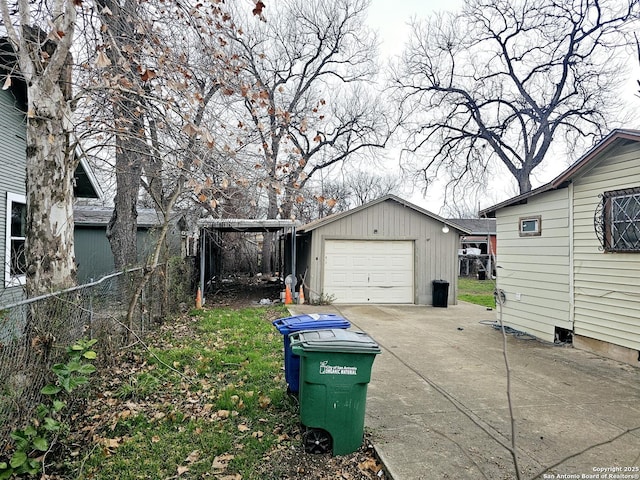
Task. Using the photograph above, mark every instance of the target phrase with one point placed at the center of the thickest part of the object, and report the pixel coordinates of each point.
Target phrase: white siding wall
(436, 253)
(607, 285)
(536, 268)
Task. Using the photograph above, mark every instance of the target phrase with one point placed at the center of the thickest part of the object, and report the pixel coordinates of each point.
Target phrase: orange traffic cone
(198, 300)
(287, 296)
(301, 296)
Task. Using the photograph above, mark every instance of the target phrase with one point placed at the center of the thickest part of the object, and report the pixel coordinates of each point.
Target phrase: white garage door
(368, 271)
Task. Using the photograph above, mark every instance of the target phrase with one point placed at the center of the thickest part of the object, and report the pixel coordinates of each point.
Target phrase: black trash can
(440, 293)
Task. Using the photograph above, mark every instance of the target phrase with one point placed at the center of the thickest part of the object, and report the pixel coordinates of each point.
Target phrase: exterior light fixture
(445, 229)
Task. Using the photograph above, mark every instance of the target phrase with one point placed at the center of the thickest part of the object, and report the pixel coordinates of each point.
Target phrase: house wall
(435, 252)
(93, 251)
(533, 271)
(607, 285)
(12, 174)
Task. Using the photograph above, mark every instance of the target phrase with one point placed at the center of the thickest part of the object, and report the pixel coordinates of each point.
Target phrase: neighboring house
(92, 248)
(12, 185)
(13, 201)
(569, 262)
(386, 251)
(477, 251)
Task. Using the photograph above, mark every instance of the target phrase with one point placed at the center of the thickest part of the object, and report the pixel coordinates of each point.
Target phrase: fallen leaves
(370, 464)
(224, 402)
(182, 470)
(193, 457)
(264, 401)
(221, 462)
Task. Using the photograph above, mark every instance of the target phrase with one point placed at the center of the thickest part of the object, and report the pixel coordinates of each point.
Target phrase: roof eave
(565, 177)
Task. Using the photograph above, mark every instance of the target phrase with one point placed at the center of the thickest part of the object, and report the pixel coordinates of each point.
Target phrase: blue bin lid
(311, 321)
(334, 340)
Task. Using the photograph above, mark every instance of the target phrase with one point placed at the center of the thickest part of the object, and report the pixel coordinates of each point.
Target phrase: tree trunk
(50, 257)
(123, 226)
(524, 180)
(129, 130)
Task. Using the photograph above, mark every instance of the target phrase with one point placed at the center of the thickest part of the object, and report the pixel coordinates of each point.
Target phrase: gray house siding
(533, 272)
(12, 173)
(435, 252)
(607, 285)
(93, 251)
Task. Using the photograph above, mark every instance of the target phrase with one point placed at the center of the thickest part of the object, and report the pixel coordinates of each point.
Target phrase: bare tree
(365, 186)
(306, 100)
(319, 199)
(161, 66)
(41, 36)
(504, 79)
(123, 32)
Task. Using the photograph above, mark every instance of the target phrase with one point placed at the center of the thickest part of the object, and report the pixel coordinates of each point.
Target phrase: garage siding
(435, 252)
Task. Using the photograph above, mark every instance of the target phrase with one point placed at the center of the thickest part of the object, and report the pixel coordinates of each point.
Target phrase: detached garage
(386, 251)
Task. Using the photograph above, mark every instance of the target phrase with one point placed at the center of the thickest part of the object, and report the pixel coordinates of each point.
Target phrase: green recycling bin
(335, 370)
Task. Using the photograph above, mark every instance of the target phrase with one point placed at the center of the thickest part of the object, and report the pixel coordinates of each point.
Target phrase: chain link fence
(35, 333)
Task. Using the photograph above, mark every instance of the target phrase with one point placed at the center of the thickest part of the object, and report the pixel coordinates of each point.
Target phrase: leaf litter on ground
(204, 398)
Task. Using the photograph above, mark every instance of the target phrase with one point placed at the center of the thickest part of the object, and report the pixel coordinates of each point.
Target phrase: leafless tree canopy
(306, 101)
(324, 197)
(503, 79)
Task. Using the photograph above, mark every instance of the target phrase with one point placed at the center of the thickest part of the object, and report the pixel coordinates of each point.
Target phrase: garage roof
(337, 216)
(95, 216)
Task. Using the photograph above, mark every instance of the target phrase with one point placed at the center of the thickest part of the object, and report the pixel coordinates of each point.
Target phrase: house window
(530, 226)
(15, 264)
(621, 220)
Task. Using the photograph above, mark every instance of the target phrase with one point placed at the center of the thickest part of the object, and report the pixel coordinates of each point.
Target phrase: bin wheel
(316, 440)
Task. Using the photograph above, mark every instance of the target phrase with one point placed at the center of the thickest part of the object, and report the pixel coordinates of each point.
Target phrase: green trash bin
(335, 370)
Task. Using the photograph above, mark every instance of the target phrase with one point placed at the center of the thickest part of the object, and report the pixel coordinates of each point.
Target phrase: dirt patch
(241, 291)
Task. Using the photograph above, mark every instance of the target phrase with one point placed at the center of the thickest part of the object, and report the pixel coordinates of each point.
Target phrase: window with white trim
(530, 226)
(15, 264)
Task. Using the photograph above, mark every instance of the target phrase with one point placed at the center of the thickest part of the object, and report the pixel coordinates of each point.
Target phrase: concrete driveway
(437, 401)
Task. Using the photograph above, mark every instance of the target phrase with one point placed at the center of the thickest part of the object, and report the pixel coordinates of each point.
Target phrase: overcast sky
(390, 19)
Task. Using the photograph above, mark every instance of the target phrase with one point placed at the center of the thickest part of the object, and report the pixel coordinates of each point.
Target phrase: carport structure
(211, 242)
